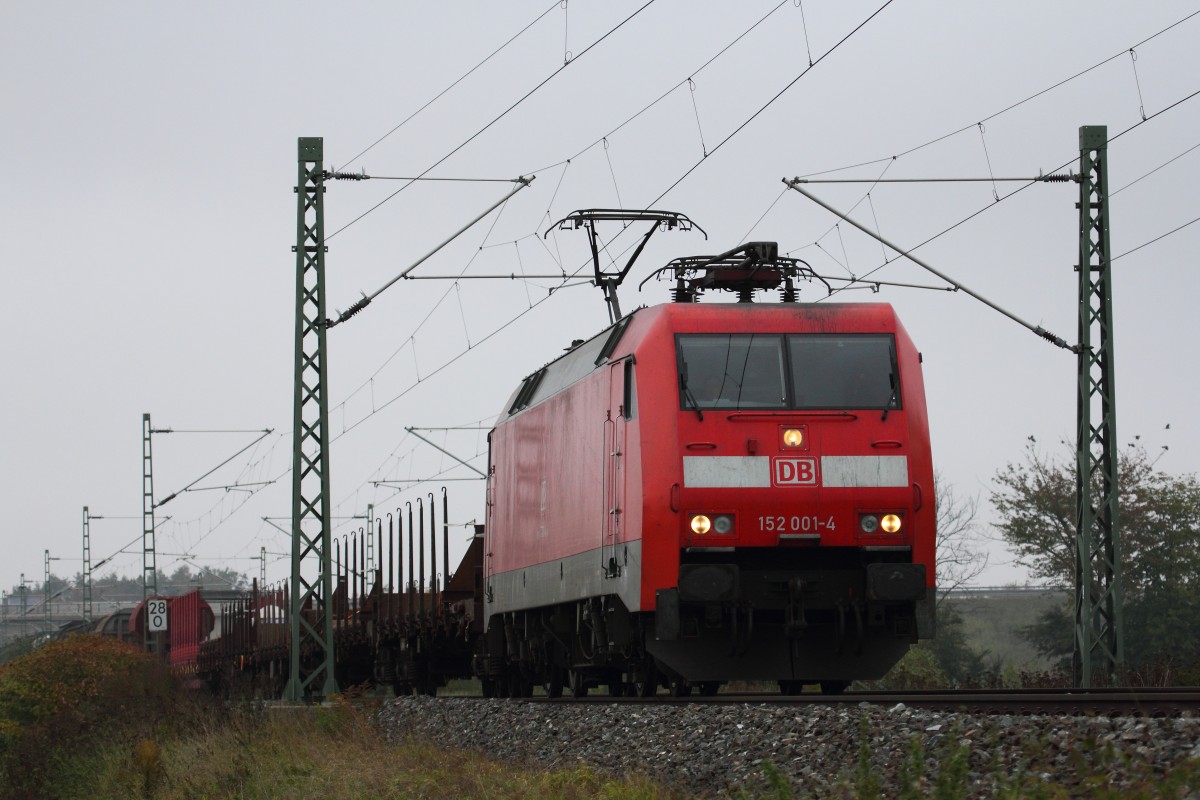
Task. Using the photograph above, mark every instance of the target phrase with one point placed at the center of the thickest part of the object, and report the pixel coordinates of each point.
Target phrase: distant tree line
(123, 588)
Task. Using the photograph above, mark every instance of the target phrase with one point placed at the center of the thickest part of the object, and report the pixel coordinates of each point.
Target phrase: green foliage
(1161, 622)
(1053, 635)
(866, 779)
(917, 670)
(951, 783)
(778, 785)
(961, 663)
(1159, 516)
(63, 698)
(1036, 503)
(912, 770)
(1010, 676)
(16, 647)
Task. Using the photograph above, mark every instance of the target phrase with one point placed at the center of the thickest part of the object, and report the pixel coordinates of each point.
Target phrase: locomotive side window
(844, 371)
(731, 371)
(630, 398)
(614, 337)
(528, 386)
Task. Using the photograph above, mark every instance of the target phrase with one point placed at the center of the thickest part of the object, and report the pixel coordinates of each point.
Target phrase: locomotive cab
(804, 514)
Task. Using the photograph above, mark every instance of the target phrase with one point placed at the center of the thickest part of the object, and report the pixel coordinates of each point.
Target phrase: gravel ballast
(711, 750)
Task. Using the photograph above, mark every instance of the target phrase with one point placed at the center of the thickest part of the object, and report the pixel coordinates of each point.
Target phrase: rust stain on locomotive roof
(819, 316)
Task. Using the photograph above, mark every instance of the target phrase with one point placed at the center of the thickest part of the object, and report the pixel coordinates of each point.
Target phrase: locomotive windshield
(799, 372)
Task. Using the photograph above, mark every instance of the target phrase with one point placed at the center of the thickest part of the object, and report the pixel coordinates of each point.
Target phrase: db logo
(795, 471)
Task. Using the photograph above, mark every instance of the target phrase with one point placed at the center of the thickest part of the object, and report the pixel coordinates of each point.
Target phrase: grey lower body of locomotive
(727, 622)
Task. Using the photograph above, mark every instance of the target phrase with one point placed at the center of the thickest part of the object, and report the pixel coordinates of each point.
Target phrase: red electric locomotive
(713, 492)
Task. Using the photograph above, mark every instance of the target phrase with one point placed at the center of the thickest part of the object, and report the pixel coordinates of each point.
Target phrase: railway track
(1112, 702)
(1043, 742)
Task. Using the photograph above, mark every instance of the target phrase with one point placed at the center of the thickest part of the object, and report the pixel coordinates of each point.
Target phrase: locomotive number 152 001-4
(797, 523)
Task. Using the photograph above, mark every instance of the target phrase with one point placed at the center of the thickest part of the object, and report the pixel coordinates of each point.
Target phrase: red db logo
(795, 471)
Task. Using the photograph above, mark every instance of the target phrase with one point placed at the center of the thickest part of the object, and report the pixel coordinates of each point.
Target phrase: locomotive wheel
(834, 687)
(710, 688)
(488, 685)
(645, 684)
(680, 688)
(577, 682)
(558, 677)
(616, 688)
(791, 687)
(518, 686)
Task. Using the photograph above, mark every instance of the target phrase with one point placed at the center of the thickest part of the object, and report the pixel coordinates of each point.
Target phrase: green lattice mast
(311, 613)
(1099, 634)
(86, 604)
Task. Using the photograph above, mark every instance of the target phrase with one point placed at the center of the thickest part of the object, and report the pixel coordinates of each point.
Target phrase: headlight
(701, 524)
(793, 437)
(723, 524)
(881, 523)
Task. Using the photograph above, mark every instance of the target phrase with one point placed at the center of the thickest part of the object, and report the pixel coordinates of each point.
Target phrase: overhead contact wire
(1157, 238)
(499, 117)
(1007, 108)
(412, 336)
(859, 202)
(521, 314)
(1020, 189)
(1156, 169)
(771, 102)
(757, 222)
(667, 93)
(463, 77)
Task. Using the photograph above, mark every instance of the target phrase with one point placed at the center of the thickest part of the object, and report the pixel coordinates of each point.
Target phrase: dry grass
(336, 753)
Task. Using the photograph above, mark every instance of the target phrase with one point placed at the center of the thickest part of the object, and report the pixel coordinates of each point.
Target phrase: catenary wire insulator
(349, 312)
(1069, 177)
(346, 176)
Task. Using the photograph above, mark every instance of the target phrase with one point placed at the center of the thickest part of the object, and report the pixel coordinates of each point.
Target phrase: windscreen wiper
(687, 393)
(891, 397)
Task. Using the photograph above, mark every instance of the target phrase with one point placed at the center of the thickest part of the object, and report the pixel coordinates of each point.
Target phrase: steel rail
(1112, 702)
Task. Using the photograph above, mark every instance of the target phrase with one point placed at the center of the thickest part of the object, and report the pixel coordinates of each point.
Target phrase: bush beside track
(92, 718)
(65, 700)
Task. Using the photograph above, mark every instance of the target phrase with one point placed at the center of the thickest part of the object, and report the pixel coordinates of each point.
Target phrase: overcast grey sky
(149, 218)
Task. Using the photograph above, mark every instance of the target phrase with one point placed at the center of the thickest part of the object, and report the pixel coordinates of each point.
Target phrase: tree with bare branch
(959, 558)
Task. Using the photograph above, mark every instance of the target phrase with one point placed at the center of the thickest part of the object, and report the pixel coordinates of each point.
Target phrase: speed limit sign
(156, 611)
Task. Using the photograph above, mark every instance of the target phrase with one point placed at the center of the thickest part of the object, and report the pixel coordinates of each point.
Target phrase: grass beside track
(93, 718)
(332, 752)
